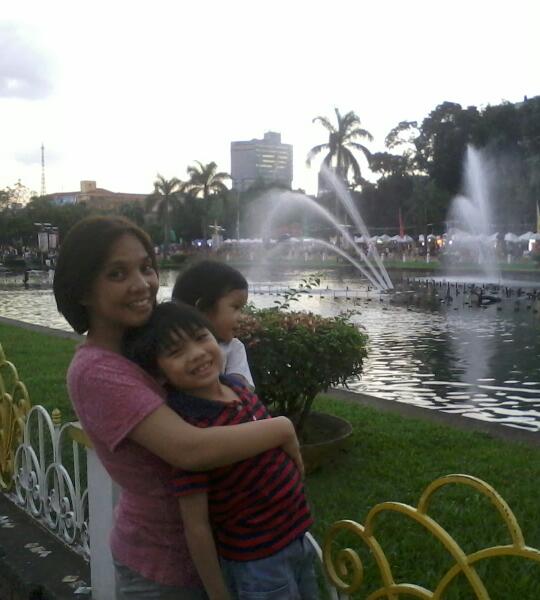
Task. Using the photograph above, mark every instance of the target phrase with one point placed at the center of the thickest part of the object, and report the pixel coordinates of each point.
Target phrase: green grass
(393, 458)
(41, 363)
(395, 265)
(388, 458)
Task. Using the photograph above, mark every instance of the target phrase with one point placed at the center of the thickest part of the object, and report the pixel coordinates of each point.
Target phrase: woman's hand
(292, 448)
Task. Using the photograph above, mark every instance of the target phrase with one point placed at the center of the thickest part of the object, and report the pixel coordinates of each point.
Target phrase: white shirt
(235, 360)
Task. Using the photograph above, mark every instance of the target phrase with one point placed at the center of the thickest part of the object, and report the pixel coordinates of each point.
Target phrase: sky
(118, 91)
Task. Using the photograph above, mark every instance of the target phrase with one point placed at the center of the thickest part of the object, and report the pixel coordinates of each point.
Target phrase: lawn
(389, 458)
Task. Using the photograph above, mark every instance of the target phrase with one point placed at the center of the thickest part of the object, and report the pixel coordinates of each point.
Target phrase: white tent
(511, 237)
(402, 240)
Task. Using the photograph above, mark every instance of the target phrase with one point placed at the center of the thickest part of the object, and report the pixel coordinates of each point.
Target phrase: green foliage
(207, 185)
(17, 226)
(165, 196)
(428, 171)
(295, 355)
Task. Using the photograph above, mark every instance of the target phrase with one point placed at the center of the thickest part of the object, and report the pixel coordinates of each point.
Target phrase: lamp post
(216, 235)
(47, 239)
(428, 253)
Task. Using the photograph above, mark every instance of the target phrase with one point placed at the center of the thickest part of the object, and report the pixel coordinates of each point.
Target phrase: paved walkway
(35, 565)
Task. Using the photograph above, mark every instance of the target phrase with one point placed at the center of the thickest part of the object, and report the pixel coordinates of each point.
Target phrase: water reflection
(447, 356)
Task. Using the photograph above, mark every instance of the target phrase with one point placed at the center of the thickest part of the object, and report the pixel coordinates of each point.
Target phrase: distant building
(95, 197)
(266, 161)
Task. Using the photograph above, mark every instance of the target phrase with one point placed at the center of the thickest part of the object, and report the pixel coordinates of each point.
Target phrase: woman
(106, 283)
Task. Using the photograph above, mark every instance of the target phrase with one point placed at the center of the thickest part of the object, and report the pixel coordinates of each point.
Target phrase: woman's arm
(200, 541)
(167, 435)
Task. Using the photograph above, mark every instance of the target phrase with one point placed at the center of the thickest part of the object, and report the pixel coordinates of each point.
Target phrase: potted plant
(296, 355)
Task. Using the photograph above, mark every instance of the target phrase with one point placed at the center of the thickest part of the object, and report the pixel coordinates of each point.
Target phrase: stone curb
(70, 335)
(409, 411)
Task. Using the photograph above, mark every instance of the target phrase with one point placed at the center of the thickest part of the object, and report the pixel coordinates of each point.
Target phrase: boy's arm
(200, 541)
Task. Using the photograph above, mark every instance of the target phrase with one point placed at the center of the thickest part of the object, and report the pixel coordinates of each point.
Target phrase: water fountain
(470, 218)
(277, 204)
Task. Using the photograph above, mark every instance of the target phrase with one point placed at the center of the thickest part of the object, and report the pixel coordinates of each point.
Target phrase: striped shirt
(257, 506)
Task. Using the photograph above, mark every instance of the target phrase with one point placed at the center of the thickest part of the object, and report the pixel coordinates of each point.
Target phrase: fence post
(102, 497)
(101, 501)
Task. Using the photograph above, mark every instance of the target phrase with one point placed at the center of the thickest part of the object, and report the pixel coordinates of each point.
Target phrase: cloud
(33, 156)
(24, 69)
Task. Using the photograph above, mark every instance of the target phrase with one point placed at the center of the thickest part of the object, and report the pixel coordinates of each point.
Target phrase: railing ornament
(43, 484)
(345, 569)
(14, 406)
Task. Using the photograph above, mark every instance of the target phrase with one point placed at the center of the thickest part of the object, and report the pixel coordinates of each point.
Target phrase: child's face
(192, 363)
(225, 315)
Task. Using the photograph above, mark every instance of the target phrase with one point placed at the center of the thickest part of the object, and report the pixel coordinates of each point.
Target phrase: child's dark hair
(143, 345)
(204, 283)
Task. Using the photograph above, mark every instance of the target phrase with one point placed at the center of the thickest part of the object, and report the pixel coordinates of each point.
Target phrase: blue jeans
(287, 575)
(132, 586)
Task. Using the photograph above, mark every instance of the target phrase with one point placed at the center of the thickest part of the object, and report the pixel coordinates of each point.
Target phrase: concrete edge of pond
(511, 434)
(70, 335)
(495, 430)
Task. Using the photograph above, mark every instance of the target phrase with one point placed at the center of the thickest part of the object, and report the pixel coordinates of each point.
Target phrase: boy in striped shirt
(245, 524)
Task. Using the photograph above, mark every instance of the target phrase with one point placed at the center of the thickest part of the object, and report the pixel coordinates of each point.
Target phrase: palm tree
(340, 157)
(165, 194)
(205, 183)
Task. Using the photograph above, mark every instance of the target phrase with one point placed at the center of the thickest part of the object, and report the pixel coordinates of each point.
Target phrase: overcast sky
(121, 90)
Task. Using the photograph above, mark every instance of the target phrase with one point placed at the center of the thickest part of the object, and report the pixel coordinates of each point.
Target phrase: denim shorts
(132, 586)
(286, 575)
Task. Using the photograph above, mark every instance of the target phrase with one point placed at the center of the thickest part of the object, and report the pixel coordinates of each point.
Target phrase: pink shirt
(111, 396)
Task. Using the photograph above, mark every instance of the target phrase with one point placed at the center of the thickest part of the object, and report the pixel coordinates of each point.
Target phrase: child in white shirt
(220, 292)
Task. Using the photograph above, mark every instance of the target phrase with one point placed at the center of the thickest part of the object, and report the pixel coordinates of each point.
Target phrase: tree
(340, 157)
(207, 184)
(133, 211)
(394, 187)
(442, 142)
(165, 194)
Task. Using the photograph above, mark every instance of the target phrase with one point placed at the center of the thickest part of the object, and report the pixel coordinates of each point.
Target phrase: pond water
(436, 348)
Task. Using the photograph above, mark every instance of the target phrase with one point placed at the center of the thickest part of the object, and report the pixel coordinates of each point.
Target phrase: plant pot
(325, 436)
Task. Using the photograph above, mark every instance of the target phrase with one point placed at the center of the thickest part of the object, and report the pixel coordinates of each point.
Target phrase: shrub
(295, 355)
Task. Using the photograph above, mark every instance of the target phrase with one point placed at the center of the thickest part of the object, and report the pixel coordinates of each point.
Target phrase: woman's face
(123, 294)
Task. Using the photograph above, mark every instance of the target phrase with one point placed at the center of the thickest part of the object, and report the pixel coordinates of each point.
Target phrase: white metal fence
(61, 483)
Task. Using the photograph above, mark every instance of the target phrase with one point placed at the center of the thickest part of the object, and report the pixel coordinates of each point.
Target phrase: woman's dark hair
(205, 282)
(83, 253)
(143, 345)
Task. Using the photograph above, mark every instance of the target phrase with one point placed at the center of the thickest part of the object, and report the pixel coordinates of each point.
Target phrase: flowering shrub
(295, 355)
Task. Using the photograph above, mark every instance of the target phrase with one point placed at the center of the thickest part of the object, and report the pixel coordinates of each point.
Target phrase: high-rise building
(266, 161)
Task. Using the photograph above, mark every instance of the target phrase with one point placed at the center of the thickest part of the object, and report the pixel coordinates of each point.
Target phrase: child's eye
(147, 269)
(176, 351)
